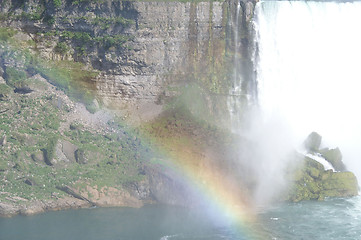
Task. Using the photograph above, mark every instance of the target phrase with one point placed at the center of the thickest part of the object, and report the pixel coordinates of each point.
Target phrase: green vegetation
(57, 3)
(85, 41)
(111, 159)
(5, 90)
(15, 77)
(6, 33)
(49, 150)
(61, 48)
(30, 163)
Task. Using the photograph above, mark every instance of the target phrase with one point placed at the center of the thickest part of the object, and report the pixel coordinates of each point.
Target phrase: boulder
(312, 182)
(334, 156)
(80, 156)
(3, 140)
(30, 182)
(69, 150)
(64, 153)
(313, 142)
(38, 156)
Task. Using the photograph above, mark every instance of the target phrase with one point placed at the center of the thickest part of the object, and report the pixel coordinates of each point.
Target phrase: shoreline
(8, 210)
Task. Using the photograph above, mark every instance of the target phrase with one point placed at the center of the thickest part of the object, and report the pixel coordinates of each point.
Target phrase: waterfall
(234, 103)
(309, 71)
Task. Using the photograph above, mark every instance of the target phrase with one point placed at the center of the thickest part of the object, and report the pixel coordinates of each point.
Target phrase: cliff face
(144, 51)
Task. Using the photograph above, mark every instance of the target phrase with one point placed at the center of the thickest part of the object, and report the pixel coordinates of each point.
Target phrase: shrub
(57, 3)
(50, 20)
(49, 150)
(61, 48)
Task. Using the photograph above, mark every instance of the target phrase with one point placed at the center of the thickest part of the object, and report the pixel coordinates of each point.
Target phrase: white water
(319, 158)
(309, 71)
(233, 102)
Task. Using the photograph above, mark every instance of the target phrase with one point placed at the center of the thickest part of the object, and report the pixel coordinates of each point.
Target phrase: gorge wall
(145, 52)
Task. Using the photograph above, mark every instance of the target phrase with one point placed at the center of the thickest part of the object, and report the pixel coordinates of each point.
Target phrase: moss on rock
(312, 182)
(334, 156)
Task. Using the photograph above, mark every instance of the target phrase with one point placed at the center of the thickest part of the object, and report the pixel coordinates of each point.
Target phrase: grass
(114, 159)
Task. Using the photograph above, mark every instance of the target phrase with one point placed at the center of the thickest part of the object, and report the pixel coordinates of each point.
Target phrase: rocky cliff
(144, 51)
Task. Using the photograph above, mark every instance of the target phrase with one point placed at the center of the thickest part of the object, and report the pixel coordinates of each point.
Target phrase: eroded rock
(313, 142)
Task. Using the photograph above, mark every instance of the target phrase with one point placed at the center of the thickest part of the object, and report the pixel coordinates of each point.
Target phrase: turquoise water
(331, 219)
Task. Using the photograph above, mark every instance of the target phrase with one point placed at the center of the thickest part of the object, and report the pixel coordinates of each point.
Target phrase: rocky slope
(55, 154)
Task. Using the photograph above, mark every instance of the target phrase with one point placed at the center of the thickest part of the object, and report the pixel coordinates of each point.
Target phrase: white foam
(319, 158)
(167, 237)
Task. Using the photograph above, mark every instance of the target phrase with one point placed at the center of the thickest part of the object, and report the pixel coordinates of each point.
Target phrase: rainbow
(223, 197)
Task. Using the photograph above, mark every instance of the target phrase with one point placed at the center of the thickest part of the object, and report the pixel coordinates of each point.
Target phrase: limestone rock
(109, 196)
(7, 209)
(64, 153)
(313, 142)
(33, 208)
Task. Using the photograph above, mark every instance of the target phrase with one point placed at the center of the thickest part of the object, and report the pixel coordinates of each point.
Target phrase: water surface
(330, 219)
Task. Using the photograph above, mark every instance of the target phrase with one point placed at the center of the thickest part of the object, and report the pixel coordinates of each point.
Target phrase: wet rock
(334, 156)
(33, 208)
(313, 142)
(7, 209)
(340, 184)
(312, 182)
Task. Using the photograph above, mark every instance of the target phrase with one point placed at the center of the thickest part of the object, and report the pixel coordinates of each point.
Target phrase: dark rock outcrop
(313, 142)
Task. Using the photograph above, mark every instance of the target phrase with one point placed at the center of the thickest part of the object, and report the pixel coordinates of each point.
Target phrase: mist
(308, 78)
